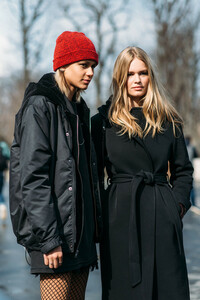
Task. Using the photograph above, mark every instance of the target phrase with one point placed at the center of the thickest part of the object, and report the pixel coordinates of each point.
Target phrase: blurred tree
(11, 95)
(100, 21)
(32, 27)
(4, 112)
(29, 15)
(177, 54)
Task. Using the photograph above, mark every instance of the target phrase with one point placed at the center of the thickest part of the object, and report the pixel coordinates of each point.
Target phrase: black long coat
(142, 255)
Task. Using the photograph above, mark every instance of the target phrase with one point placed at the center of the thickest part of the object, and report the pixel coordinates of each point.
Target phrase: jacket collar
(47, 87)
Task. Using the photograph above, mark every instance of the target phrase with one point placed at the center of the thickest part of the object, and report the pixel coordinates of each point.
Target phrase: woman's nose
(137, 78)
(90, 71)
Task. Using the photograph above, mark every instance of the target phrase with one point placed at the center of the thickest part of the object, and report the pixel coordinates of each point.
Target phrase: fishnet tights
(67, 286)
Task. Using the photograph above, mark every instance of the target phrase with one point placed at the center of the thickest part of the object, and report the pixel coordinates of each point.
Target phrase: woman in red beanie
(54, 199)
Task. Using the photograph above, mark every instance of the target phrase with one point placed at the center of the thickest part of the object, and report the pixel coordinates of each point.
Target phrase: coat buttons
(70, 188)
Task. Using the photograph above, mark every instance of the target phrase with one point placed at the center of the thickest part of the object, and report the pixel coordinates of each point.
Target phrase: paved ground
(17, 284)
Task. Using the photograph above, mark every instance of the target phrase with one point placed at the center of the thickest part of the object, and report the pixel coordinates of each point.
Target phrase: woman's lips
(137, 88)
(86, 81)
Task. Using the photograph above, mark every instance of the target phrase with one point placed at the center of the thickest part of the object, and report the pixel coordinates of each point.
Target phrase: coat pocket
(175, 205)
(174, 214)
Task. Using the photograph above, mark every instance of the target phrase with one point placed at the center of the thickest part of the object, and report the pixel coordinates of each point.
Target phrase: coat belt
(143, 177)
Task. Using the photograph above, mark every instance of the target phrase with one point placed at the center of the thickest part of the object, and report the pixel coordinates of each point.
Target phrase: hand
(54, 258)
(183, 210)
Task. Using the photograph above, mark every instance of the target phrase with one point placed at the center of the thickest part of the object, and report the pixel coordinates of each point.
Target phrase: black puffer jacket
(43, 192)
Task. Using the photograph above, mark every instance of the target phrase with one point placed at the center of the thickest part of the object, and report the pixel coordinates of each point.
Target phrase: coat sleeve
(35, 159)
(181, 170)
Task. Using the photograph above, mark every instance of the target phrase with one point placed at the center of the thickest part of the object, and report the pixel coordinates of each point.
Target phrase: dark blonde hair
(62, 83)
(156, 105)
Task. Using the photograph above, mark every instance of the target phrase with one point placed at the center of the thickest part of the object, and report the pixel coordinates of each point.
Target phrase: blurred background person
(192, 153)
(4, 158)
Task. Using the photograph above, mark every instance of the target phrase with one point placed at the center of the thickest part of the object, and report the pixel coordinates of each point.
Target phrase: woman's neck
(70, 94)
(135, 103)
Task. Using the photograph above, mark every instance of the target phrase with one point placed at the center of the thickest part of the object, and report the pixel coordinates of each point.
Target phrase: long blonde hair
(156, 106)
(63, 85)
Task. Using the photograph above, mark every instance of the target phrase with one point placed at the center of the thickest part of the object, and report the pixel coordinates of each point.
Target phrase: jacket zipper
(78, 245)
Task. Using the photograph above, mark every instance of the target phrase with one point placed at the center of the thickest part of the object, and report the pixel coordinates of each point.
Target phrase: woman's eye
(139, 73)
(144, 73)
(84, 65)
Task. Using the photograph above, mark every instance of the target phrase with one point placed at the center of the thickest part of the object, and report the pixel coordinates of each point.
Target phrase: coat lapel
(145, 149)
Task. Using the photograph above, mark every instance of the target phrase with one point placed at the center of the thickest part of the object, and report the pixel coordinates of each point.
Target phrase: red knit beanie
(72, 47)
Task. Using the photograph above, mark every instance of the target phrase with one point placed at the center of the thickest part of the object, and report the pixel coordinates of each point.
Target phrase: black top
(137, 112)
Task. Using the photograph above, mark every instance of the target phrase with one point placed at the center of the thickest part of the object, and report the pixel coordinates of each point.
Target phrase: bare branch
(36, 12)
(177, 53)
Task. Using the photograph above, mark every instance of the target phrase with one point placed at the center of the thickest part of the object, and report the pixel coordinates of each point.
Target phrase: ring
(51, 263)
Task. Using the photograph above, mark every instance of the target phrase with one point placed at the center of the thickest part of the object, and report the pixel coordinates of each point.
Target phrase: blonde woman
(137, 134)
(54, 203)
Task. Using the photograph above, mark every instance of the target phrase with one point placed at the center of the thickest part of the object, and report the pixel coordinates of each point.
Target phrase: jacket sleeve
(35, 159)
(181, 170)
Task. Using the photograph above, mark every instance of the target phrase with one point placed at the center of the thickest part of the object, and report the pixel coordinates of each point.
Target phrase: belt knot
(148, 177)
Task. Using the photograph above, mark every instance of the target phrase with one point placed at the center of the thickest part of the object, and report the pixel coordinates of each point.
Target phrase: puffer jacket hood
(47, 87)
